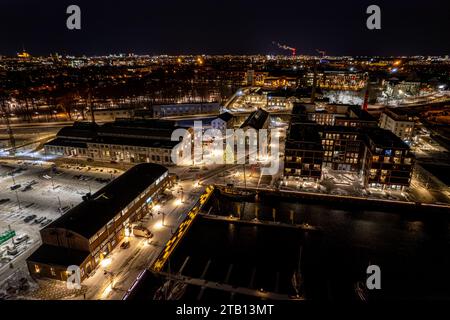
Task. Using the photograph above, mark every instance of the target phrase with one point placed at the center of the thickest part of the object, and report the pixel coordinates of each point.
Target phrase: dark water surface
(412, 250)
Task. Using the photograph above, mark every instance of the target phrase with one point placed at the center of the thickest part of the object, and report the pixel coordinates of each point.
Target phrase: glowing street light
(105, 262)
(158, 225)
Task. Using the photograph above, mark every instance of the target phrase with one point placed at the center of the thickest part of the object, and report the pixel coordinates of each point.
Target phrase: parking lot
(35, 193)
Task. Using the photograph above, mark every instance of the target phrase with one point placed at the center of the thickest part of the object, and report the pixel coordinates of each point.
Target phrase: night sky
(225, 26)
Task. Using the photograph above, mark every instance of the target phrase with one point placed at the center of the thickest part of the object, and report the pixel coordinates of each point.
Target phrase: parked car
(14, 187)
(5, 259)
(125, 245)
(141, 231)
(64, 209)
(29, 218)
(20, 239)
(26, 188)
(12, 252)
(39, 220)
(46, 222)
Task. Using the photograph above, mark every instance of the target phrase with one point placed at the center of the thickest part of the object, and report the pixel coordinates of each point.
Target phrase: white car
(21, 238)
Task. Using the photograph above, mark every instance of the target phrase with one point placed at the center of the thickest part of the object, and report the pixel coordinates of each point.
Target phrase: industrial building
(124, 140)
(181, 109)
(87, 233)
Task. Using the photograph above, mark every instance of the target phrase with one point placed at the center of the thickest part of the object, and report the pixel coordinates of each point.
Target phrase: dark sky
(225, 26)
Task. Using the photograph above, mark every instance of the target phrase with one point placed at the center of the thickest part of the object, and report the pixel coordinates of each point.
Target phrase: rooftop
(355, 111)
(398, 114)
(306, 134)
(91, 215)
(59, 256)
(226, 116)
(148, 143)
(79, 130)
(256, 119)
(385, 138)
(61, 142)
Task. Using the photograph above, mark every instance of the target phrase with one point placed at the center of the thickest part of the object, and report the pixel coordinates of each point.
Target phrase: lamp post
(18, 200)
(60, 206)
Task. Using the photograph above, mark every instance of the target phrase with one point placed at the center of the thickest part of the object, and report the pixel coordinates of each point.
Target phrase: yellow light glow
(157, 207)
(158, 225)
(105, 262)
(107, 291)
(178, 202)
(23, 55)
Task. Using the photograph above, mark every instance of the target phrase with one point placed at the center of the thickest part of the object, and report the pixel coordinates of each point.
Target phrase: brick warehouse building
(88, 232)
(124, 140)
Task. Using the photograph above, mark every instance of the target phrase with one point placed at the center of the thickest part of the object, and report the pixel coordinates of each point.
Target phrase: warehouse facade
(129, 141)
(87, 233)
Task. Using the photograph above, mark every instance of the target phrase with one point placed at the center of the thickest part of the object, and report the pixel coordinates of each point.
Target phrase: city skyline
(407, 28)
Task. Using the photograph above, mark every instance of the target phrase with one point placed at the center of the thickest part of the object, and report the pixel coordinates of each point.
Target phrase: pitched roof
(91, 215)
(256, 119)
(58, 256)
(226, 116)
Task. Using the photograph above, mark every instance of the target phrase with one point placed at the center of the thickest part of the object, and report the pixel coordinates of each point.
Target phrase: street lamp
(60, 206)
(18, 201)
(182, 194)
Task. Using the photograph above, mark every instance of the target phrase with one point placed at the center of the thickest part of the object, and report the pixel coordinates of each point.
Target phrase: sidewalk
(120, 269)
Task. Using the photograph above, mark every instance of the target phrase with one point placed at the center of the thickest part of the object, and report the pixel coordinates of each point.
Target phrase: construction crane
(12, 140)
(321, 52)
(285, 47)
(316, 63)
